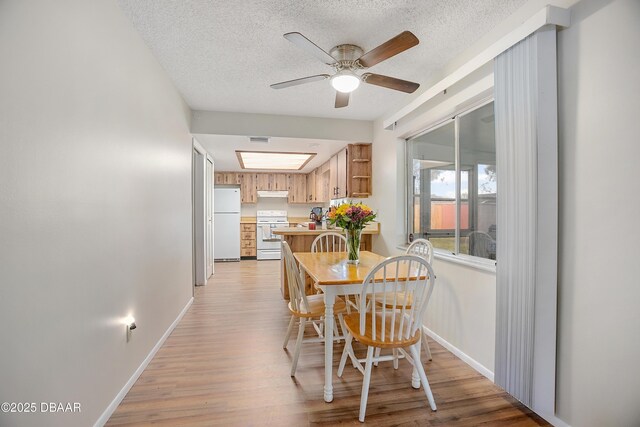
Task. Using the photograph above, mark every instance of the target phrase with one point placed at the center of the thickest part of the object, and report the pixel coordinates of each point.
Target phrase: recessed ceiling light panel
(273, 160)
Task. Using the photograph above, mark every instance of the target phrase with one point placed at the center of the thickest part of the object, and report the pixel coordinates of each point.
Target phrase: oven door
(265, 238)
(269, 245)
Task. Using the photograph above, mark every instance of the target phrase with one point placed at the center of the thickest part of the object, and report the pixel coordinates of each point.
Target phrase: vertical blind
(525, 113)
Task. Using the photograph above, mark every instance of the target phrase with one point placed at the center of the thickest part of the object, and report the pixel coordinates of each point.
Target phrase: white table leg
(329, 300)
(415, 376)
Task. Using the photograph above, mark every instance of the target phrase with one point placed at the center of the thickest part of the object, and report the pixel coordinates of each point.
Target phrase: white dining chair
(481, 244)
(330, 241)
(304, 307)
(424, 249)
(395, 325)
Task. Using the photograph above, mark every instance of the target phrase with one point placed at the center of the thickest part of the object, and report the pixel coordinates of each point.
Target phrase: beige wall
(599, 293)
(95, 205)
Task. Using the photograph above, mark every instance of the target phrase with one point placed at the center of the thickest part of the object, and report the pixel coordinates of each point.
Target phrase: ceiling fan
(347, 59)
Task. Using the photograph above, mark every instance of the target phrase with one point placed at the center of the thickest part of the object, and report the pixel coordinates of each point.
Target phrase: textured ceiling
(223, 55)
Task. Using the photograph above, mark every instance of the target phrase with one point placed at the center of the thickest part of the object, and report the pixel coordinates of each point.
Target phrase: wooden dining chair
(424, 249)
(304, 307)
(397, 328)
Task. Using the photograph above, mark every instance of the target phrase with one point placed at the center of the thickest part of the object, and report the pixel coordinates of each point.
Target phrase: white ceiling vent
(259, 139)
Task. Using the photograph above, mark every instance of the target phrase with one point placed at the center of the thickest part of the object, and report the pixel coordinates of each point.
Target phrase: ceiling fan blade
(390, 82)
(301, 81)
(342, 99)
(310, 47)
(386, 50)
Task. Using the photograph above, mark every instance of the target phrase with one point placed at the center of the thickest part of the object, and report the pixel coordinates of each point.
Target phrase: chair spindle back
(396, 281)
(423, 248)
(329, 242)
(297, 295)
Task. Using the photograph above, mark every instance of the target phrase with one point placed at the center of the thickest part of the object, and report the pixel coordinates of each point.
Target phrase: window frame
(470, 260)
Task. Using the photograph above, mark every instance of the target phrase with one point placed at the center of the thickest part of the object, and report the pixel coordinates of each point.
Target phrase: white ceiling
(223, 55)
(223, 149)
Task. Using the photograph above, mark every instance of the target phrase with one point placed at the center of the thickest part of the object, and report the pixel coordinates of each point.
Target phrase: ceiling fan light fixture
(345, 81)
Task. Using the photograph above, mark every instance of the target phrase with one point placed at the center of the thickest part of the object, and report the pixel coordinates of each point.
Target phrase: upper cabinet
(311, 186)
(272, 182)
(248, 187)
(221, 178)
(279, 181)
(346, 174)
(333, 177)
(263, 182)
(341, 184)
(297, 187)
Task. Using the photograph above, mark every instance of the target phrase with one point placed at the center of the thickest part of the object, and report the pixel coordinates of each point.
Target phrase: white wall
(462, 308)
(228, 123)
(95, 205)
(599, 320)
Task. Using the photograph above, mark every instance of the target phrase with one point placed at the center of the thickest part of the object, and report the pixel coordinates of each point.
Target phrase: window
(452, 184)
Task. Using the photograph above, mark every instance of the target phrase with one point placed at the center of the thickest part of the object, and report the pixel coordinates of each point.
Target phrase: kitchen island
(300, 239)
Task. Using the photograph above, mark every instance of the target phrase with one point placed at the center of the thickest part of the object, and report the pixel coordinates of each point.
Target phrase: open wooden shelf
(359, 170)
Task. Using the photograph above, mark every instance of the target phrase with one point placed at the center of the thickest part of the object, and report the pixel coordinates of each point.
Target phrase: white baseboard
(553, 420)
(550, 418)
(116, 401)
(458, 353)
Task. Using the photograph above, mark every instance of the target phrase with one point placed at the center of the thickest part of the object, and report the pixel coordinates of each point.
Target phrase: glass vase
(353, 245)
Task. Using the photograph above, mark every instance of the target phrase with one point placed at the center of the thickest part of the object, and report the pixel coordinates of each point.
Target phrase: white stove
(269, 245)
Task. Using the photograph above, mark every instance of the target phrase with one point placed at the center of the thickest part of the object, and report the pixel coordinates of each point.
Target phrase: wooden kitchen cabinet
(341, 174)
(333, 176)
(248, 187)
(272, 182)
(349, 173)
(338, 183)
(311, 186)
(297, 187)
(279, 181)
(263, 182)
(223, 178)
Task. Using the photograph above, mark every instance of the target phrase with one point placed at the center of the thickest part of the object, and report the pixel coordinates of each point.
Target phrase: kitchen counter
(304, 231)
(291, 219)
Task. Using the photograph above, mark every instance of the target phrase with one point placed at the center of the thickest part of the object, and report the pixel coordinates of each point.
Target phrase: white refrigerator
(226, 224)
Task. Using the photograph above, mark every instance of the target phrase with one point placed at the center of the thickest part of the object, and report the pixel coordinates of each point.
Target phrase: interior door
(199, 217)
(209, 200)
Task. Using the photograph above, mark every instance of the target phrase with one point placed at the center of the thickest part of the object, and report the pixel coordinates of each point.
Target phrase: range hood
(280, 194)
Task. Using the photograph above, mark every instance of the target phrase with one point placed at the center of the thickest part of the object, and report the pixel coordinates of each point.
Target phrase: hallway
(224, 365)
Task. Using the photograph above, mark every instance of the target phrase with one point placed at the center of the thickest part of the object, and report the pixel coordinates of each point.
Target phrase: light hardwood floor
(224, 365)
